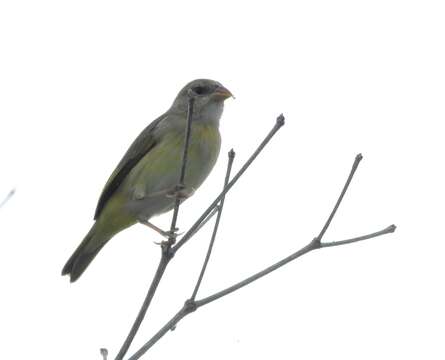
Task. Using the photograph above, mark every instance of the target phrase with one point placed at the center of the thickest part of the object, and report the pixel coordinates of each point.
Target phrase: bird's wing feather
(138, 149)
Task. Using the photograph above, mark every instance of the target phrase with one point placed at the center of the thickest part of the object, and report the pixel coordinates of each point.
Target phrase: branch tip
(391, 228)
(280, 120)
(359, 157)
(104, 353)
(232, 153)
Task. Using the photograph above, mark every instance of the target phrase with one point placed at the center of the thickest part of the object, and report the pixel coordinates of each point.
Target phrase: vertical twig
(180, 186)
(215, 229)
(168, 250)
(165, 246)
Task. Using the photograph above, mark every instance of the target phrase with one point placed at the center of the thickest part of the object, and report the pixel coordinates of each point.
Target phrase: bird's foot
(169, 235)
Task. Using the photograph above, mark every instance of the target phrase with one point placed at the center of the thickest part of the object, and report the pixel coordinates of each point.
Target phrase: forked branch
(192, 305)
(168, 247)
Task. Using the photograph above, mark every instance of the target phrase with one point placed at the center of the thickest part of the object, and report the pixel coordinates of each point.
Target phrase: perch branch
(165, 246)
(192, 305)
(168, 250)
(189, 304)
(181, 186)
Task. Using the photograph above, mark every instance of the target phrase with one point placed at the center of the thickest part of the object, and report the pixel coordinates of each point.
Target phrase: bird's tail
(85, 253)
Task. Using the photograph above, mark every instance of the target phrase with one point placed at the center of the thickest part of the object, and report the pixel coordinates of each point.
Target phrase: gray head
(209, 98)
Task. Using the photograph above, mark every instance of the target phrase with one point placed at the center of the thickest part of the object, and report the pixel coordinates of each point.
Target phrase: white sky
(79, 80)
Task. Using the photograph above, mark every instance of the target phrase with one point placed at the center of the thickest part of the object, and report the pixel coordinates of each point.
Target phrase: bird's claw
(168, 235)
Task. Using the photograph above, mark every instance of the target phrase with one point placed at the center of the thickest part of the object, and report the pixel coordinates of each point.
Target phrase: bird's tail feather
(85, 253)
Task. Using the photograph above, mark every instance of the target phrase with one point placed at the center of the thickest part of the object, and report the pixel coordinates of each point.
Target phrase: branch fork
(170, 247)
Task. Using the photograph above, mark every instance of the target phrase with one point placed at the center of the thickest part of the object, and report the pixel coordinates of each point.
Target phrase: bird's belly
(159, 171)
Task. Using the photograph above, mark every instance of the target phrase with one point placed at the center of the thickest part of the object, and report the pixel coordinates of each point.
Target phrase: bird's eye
(200, 90)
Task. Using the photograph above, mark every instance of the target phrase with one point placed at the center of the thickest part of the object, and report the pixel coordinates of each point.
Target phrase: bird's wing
(138, 149)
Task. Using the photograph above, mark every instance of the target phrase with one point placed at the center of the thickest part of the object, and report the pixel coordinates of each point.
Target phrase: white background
(79, 80)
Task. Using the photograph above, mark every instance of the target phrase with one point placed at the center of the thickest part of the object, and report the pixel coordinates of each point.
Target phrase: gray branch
(168, 247)
(192, 305)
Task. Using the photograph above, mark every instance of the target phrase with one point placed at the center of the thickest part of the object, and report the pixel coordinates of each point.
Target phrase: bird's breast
(159, 170)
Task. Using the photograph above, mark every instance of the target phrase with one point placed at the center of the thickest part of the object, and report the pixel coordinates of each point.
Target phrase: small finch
(143, 182)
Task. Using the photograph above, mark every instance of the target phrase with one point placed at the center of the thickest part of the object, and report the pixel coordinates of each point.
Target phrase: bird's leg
(166, 234)
(178, 191)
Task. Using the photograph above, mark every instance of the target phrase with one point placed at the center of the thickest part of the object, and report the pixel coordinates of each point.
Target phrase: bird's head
(209, 97)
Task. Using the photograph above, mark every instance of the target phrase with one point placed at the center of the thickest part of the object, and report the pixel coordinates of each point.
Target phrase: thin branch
(9, 196)
(186, 237)
(389, 229)
(192, 305)
(166, 246)
(357, 160)
(313, 245)
(181, 185)
(151, 291)
(211, 215)
(168, 250)
(215, 228)
(165, 329)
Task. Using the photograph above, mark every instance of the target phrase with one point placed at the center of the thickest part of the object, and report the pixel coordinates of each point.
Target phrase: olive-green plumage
(139, 187)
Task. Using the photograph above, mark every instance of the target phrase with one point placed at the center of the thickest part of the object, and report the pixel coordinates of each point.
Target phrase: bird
(144, 181)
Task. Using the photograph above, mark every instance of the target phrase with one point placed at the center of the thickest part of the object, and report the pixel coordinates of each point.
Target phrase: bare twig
(357, 160)
(181, 185)
(168, 250)
(309, 247)
(6, 199)
(211, 215)
(166, 328)
(192, 305)
(389, 229)
(215, 228)
(165, 246)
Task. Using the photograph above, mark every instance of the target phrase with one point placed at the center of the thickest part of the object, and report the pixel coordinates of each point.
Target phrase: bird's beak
(223, 93)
